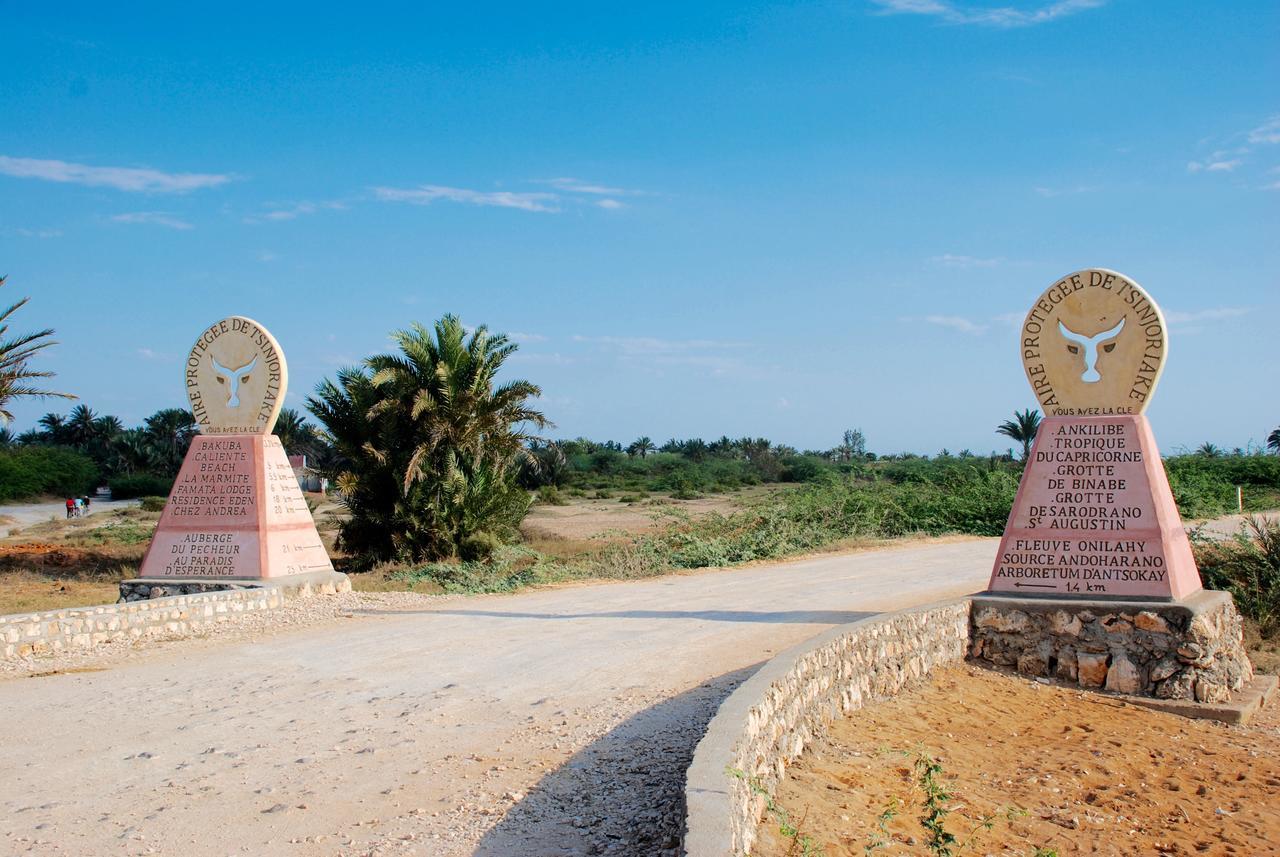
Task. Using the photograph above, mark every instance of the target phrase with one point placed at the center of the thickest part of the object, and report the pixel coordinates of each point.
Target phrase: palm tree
(82, 426)
(1273, 441)
(1209, 450)
(169, 432)
(16, 379)
(641, 446)
(429, 444)
(1022, 428)
(295, 433)
(55, 428)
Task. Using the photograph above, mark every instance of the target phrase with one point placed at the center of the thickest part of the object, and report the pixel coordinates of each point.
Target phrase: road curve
(555, 721)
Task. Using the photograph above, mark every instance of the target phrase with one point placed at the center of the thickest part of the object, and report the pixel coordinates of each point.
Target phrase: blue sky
(698, 219)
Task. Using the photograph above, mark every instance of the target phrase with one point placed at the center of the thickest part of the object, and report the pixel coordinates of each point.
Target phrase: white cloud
(1050, 192)
(1212, 166)
(951, 260)
(1005, 17)
(292, 211)
(1267, 132)
(152, 218)
(120, 178)
(956, 322)
(710, 354)
(427, 194)
(571, 185)
(526, 338)
(1213, 314)
(39, 233)
(267, 256)
(611, 204)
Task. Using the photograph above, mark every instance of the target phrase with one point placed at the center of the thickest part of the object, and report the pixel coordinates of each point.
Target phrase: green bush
(1247, 566)
(156, 504)
(550, 495)
(140, 485)
(31, 471)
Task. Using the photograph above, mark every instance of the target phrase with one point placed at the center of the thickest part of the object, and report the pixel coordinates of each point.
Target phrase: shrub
(156, 504)
(550, 495)
(1247, 566)
(29, 471)
(140, 485)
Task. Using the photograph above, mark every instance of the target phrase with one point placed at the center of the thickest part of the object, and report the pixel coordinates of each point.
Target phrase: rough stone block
(1092, 669)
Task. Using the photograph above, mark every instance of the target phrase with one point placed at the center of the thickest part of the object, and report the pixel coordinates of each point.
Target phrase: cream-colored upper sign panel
(236, 377)
(1094, 344)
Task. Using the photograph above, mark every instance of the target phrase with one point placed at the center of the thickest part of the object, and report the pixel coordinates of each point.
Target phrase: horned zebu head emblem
(1090, 345)
(233, 378)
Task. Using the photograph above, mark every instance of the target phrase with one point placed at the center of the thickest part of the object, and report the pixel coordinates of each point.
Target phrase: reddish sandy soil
(1093, 775)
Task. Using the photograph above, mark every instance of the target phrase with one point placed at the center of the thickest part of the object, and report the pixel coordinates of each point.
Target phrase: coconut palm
(17, 379)
(1209, 450)
(1022, 428)
(1273, 441)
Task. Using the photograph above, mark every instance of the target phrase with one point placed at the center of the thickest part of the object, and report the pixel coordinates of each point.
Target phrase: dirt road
(550, 722)
(15, 516)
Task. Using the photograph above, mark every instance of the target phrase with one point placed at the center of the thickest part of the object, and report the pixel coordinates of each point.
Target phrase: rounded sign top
(1094, 344)
(235, 377)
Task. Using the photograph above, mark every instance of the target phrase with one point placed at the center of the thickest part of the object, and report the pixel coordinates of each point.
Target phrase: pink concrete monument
(1094, 516)
(236, 511)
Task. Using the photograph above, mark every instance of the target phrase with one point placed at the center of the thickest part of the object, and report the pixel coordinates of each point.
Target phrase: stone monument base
(291, 586)
(1191, 649)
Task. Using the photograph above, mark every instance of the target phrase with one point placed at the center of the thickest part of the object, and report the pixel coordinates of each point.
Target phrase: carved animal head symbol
(1090, 345)
(233, 378)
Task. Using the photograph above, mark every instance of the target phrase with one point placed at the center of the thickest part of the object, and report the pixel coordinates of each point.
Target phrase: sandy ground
(581, 518)
(549, 722)
(1093, 774)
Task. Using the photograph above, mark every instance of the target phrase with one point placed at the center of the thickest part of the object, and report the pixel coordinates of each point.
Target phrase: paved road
(26, 514)
(549, 722)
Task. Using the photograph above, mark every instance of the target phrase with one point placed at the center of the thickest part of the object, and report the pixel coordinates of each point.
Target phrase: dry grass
(30, 592)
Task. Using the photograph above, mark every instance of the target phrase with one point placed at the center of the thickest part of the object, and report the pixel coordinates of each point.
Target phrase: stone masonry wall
(767, 722)
(1192, 649)
(80, 628)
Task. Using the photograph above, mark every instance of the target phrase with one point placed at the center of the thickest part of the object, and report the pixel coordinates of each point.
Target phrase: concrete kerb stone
(80, 628)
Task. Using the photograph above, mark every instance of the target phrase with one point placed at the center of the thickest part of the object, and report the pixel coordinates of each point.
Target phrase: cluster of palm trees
(427, 449)
(157, 446)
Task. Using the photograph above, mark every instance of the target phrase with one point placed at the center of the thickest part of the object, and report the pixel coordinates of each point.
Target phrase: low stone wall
(81, 628)
(1187, 650)
(768, 721)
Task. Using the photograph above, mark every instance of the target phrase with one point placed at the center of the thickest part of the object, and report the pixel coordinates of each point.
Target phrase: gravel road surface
(548, 722)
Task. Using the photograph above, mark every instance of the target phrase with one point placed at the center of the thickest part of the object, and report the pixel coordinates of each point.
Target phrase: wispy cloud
(152, 218)
(1234, 150)
(526, 338)
(1212, 166)
(427, 194)
(292, 211)
(610, 204)
(152, 354)
(1266, 133)
(571, 185)
(38, 233)
(1050, 192)
(134, 179)
(1004, 17)
(956, 322)
(716, 356)
(951, 260)
(1197, 316)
